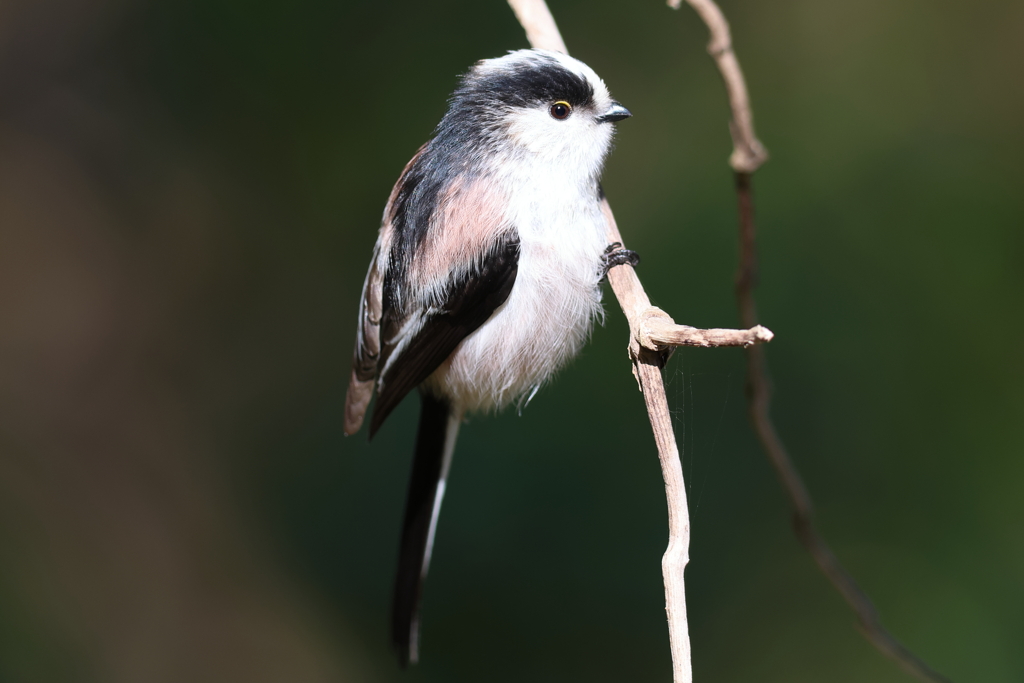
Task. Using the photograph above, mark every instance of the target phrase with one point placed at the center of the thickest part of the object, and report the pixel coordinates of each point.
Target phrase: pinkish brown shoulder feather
(468, 219)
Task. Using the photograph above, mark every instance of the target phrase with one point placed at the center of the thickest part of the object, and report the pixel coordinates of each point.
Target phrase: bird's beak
(615, 113)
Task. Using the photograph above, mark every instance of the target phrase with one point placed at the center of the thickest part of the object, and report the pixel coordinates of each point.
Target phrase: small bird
(485, 278)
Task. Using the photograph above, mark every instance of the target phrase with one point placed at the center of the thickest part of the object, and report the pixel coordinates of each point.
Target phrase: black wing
(469, 302)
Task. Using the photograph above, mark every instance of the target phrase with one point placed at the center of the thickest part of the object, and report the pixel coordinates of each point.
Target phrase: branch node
(747, 155)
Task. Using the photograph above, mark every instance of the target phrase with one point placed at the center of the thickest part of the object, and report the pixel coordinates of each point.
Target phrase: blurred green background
(189, 193)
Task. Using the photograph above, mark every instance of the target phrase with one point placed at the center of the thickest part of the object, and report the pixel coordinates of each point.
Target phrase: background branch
(748, 153)
(758, 389)
(747, 156)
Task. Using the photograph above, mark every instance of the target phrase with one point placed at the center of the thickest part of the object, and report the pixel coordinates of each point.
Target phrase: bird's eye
(561, 110)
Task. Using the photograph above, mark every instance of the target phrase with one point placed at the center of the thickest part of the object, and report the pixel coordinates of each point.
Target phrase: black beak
(615, 113)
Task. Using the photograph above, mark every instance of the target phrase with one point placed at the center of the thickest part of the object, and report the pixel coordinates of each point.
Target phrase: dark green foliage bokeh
(249, 150)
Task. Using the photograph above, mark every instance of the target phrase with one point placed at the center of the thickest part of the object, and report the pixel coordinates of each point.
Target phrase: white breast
(555, 299)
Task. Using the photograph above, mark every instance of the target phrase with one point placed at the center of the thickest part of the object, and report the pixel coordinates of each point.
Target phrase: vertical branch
(673, 563)
(541, 29)
(543, 33)
(647, 365)
(747, 156)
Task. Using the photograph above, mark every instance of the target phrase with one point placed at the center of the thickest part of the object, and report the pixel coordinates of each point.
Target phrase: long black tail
(435, 442)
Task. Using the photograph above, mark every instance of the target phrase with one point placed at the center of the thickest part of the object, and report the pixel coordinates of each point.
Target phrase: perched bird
(485, 278)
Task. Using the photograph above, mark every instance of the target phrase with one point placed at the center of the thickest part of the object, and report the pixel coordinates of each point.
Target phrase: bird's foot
(615, 255)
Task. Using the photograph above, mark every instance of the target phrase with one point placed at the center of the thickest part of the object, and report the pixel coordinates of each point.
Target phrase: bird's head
(537, 103)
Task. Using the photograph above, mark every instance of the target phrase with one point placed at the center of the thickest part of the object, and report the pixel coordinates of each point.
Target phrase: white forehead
(540, 58)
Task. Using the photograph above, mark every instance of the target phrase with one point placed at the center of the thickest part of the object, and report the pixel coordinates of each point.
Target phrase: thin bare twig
(659, 331)
(747, 156)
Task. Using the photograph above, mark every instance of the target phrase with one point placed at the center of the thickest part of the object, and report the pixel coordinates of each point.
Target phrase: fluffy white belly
(543, 324)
